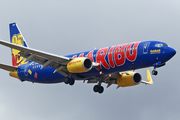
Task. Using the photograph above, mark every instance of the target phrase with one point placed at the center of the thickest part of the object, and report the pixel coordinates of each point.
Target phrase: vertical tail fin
(16, 37)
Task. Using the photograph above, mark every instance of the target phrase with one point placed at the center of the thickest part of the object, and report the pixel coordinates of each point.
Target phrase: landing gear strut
(157, 65)
(98, 88)
(69, 81)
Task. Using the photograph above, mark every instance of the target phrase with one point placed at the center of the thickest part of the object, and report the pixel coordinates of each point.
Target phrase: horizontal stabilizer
(8, 67)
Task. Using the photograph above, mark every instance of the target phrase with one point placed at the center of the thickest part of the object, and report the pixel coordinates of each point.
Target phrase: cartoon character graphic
(16, 58)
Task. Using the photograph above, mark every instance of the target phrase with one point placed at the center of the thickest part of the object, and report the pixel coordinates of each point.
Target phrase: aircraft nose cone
(169, 53)
(172, 52)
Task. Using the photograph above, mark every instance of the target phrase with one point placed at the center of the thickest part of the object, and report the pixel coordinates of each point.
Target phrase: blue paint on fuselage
(148, 53)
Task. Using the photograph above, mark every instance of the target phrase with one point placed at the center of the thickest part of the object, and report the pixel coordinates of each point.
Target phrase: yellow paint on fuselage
(14, 74)
(158, 51)
(29, 71)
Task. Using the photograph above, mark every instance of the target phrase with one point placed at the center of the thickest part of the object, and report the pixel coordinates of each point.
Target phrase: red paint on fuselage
(110, 57)
(129, 48)
(81, 55)
(116, 55)
(119, 54)
(100, 58)
(75, 56)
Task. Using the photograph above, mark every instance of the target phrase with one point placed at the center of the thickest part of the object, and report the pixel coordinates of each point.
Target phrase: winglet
(149, 79)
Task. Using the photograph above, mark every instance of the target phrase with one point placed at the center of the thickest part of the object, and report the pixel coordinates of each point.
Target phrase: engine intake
(79, 65)
(129, 79)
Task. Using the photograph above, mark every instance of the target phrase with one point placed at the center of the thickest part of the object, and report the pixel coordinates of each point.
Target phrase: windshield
(161, 44)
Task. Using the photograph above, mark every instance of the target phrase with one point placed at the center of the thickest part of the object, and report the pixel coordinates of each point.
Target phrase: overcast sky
(67, 26)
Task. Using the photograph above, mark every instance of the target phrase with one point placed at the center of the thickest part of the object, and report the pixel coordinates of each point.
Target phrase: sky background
(67, 26)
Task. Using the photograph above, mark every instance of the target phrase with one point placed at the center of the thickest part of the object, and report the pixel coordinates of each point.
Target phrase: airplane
(109, 65)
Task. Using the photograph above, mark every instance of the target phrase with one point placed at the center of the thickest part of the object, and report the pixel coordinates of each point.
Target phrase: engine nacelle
(79, 65)
(129, 79)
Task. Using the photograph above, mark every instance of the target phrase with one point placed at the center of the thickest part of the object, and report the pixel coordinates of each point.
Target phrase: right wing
(46, 59)
(112, 79)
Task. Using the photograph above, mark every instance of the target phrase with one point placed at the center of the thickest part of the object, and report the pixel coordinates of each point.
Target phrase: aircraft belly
(46, 75)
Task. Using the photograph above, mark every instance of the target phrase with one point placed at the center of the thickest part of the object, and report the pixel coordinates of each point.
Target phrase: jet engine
(79, 65)
(129, 79)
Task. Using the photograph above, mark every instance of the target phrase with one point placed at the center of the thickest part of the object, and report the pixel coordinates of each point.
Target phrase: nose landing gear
(154, 72)
(157, 65)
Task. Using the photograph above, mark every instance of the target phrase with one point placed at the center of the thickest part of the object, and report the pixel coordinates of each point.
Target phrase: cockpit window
(165, 45)
(160, 45)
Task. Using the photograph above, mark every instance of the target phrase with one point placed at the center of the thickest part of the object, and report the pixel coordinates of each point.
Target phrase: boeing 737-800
(105, 65)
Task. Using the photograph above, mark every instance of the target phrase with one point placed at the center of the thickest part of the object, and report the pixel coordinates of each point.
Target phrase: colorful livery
(105, 65)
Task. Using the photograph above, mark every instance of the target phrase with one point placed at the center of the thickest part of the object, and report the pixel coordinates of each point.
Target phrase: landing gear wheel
(72, 81)
(96, 88)
(101, 89)
(67, 80)
(154, 72)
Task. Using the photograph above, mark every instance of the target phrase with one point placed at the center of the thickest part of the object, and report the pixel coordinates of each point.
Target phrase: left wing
(8, 68)
(46, 59)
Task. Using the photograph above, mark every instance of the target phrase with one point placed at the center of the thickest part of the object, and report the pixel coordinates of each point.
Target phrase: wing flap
(8, 67)
(45, 62)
